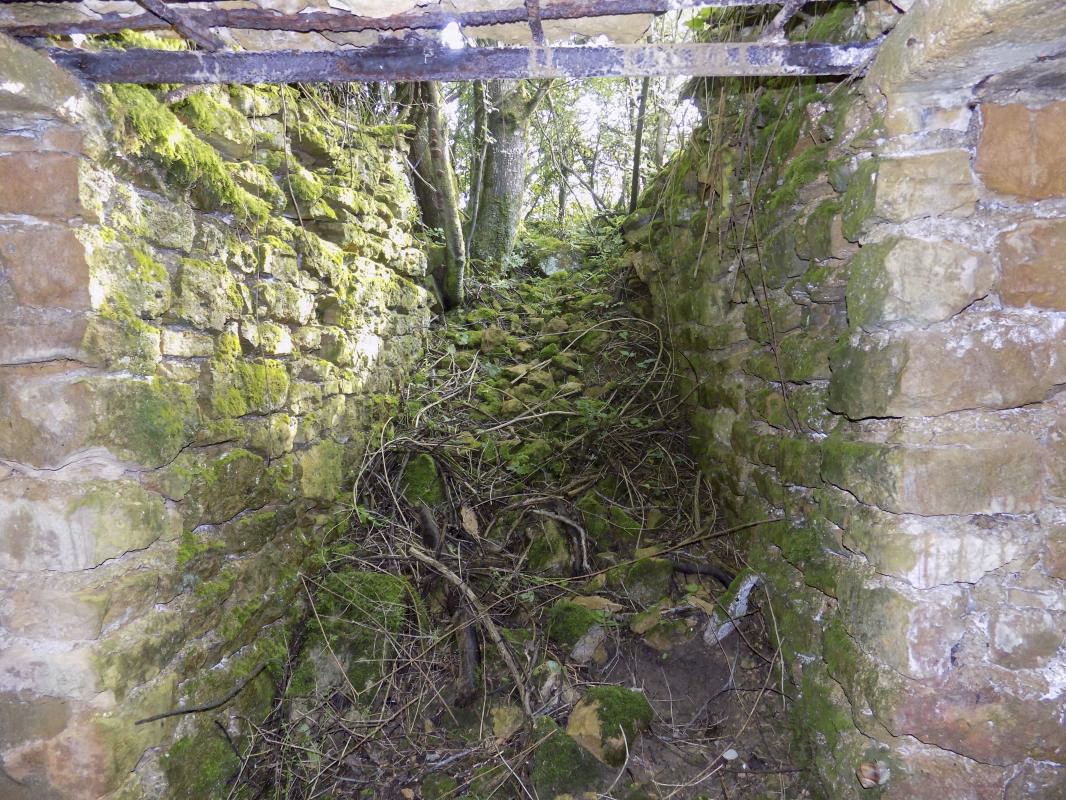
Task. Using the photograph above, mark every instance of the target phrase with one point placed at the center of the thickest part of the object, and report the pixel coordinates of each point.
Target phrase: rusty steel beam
(192, 31)
(341, 22)
(433, 62)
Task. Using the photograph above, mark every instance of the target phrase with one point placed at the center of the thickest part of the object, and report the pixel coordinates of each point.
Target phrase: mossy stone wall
(836, 280)
(202, 303)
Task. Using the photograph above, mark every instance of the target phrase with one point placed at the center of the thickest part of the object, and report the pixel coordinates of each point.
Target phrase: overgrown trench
(534, 595)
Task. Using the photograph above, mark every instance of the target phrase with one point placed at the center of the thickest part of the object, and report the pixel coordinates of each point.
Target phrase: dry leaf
(703, 605)
(595, 603)
(468, 521)
(408, 793)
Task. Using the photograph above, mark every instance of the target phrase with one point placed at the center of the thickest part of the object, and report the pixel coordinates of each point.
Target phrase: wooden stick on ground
(483, 617)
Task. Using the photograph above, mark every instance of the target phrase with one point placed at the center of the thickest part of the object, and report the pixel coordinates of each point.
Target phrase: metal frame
(415, 58)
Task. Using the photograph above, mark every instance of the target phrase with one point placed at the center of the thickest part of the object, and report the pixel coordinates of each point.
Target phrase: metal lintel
(341, 22)
(411, 63)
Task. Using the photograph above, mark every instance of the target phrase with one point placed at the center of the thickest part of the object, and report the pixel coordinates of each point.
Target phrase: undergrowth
(528, 530)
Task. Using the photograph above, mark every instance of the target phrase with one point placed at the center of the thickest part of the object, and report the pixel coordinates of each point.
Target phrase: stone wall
(863, 284)
(204, 307)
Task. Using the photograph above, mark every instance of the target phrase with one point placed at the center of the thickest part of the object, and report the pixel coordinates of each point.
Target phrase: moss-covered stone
(644, 581)
(422, 482)
(150, 128)
(147, 421)
(568, 622)
(560, 765)
(607, 720)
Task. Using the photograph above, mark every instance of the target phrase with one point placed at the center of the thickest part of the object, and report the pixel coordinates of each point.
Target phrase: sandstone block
(928, 185)
(1020, 151)
(63, 526)
(49, 185)
(987, 361)
(49, 417)
(1033, 264)
(37, 335)
(916, 281)
(929, 551)
(990, 715)
(45, 265)
(998, 473)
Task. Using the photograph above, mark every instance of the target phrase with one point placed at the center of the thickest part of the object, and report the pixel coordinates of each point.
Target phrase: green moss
(644, 581)
(148, 421)
(151, 129)
(857, 204)
(422, 482)
(568, 622)
(242, 386)
(361, 612)
(438, 787)
(622, 709)
(121, 339)
(834, 24)
(548, 552)
(200, 765)
(560, 765)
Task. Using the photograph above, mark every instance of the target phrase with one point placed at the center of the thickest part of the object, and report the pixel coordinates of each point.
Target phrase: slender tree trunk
(478, 148)
(562, 198)
(503, 183)
(634, 186)
(435, 188)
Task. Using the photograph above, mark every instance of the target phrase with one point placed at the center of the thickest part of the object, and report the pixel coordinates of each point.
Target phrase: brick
(45, 265)
(1020, 151)
(41, 184)
(1032, 261)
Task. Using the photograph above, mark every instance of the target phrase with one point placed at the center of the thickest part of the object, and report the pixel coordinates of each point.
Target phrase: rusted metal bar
(434, 62)
(340, 22)
(190, 30)
(536, 27)
(775, 31)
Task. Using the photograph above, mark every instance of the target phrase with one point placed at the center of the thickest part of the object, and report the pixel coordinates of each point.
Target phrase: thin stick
(484, 618)
(236, 690)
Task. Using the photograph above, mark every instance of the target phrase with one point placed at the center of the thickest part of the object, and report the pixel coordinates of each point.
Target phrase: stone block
(45, 265)
(987, 714)
(930, 551)
(39, 335)
(64, 526)
(915, 281)
(49, 185)
(981, 361)
(995, 473)
(186, 344)
(1033, 265)
(1020, 151)
(933, 184)
(33, 83)
(51, 416)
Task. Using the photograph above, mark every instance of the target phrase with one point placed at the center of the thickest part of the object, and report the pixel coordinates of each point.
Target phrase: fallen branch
(236, 690)
(484, 618)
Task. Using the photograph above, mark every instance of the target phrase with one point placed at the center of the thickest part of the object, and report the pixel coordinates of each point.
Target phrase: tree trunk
(503, 182)
(478, 147)
(634, 187)
(434, 179)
